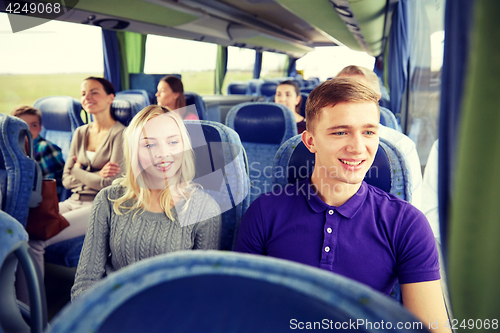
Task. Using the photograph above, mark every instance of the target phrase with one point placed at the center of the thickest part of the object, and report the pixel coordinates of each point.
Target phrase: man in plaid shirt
(48, 155)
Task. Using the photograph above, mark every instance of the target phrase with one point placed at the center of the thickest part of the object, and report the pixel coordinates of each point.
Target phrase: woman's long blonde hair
(182, 179)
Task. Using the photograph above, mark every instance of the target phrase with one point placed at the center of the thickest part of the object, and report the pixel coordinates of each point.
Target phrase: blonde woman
(155, 208)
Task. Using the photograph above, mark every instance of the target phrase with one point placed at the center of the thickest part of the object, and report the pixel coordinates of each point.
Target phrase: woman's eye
(173, 142)
(149, 145)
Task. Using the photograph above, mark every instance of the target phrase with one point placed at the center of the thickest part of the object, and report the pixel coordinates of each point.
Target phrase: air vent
(112, 24)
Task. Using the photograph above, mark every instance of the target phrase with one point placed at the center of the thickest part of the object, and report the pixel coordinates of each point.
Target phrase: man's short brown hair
(333, 92)
(25, 109)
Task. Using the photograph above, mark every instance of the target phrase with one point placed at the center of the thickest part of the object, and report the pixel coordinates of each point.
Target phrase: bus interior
(435, 59)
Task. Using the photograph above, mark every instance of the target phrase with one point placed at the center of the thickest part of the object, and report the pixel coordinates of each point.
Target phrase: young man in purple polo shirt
(335, 221)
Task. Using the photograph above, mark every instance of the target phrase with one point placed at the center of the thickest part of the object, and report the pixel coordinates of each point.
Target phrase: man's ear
(379, 96)
(308, 139)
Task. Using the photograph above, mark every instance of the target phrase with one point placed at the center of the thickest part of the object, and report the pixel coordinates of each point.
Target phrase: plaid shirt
(50, 158)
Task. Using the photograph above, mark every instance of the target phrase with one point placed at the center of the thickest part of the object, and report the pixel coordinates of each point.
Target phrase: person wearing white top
(430, 191)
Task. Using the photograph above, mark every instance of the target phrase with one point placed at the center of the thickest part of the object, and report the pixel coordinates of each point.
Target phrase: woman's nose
(163, 151)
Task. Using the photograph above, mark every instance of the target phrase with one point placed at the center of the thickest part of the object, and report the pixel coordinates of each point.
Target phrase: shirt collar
(348, 209)
(38, 139)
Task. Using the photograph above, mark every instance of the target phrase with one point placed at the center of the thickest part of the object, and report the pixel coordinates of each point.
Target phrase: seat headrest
(59, 113)
(262, 122)
(301, 165)
(138, 96)
(268, 88)
(303, 104)
(237, 88)
(194, 98)
(123, 111)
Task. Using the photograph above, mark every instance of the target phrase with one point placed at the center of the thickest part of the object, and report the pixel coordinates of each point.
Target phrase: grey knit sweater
(114, 241)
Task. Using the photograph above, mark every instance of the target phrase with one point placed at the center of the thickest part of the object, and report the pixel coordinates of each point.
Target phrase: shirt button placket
(329, 240)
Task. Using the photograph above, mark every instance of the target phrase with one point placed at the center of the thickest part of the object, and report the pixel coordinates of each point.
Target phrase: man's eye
(339, 133)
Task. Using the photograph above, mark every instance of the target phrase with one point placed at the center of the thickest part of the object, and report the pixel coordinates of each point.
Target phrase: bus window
(50, 59)
(195, 61)
(326, 62)
(240, 64)
(273, 65)
(425, 74)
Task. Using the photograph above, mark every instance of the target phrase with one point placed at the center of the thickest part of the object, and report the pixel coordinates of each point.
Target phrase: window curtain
(220, 68)
(474, 226)
(257, 67)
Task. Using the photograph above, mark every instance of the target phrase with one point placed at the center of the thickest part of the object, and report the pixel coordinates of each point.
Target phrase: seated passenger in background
(47, 154)
(336, 221)
(400, 140)
(155, 208)
(288, 94)
(430, 204)
(171, 95)
(95, 160)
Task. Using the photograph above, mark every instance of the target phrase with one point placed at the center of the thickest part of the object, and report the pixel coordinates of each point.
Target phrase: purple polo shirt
(374, 238)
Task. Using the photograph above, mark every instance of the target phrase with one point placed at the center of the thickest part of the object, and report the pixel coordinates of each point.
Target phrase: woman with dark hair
(171, 95)
(95, 160)
(288, 94)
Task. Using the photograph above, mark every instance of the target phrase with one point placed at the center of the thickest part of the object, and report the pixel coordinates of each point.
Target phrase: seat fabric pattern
(60, 118)
(17, 168)
(262, 128)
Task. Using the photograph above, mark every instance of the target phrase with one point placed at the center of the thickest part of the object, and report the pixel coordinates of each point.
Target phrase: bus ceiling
(293, 27)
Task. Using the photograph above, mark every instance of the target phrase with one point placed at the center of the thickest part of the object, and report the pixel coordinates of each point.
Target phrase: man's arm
(425, 301)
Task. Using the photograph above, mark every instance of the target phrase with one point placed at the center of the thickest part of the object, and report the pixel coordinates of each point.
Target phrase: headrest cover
(122, 110)
(260, 124)
(237, 88)
(56, 112)
(268, 88)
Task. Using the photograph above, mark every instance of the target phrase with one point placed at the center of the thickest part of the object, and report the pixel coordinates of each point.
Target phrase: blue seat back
(209, 291)
(124, 110)
(387, 118)
(17, 167)
(306, 90)
(253, 86)
(268, 89)
(138, 96)
(303, 105)
(222, 170)
(316, 80)
(201, 109)
(262, 128)
(237, 88)
(60, 118)
(389, 171)
(13, 249)
(311, 83)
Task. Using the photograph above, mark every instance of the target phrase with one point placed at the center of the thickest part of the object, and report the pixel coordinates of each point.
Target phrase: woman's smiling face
(161, 149)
